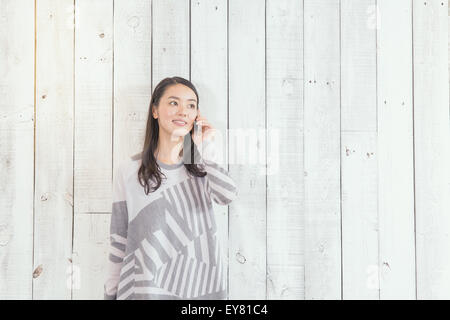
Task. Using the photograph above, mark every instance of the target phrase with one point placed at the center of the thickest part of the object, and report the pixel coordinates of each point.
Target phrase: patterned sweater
(164, 245)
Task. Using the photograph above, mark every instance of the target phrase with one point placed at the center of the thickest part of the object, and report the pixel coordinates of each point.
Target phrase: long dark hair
(149, 169)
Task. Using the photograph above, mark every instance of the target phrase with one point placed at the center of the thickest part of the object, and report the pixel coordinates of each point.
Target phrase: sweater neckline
(169, 166)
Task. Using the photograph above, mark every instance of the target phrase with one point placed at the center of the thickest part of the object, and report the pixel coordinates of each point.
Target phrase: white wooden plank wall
(432, 148)
(395, 150)
(93, 78)
(334, 115)
(16, 148)
(284, 122)
(247, 116)
(358, 150)
(321, 104)
(53, 149)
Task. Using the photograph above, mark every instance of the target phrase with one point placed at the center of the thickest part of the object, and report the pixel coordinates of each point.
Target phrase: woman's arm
(118, 235)
(219, 184)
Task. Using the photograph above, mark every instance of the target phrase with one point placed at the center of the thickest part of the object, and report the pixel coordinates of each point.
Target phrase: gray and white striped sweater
(164, 245)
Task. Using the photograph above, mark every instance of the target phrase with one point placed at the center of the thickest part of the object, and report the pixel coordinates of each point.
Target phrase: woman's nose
(183, 110)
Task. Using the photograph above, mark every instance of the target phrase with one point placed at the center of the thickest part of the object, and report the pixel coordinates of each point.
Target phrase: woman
(163, 242)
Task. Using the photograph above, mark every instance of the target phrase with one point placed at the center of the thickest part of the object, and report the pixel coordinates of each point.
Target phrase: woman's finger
(203, 122)
(205, 125)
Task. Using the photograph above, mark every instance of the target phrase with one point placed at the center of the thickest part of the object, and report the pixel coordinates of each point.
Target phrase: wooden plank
(89, 252)
(132, 76)
(93, 135)
(247, 150)
(171, 47)
(285, 187)
(322, 150)
(395, 150)
(93, 105)
(54, 149)
(359, 215)
(209, 71)
(432, 148)
(16, 148)
(358, 150)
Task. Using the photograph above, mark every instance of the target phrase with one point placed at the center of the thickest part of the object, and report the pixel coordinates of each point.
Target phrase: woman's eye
(191, 105)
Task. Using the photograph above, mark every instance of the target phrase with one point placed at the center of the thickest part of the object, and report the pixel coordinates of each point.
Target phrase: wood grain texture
(247, 108)
(93, 105)
(322, 150)
(395, 150)
(132, 75)
(285, 184)
(53, 215)
(89, 253)
(431, 149)
(93, 138)
(358, 150)
(16, 148)
(171, 46)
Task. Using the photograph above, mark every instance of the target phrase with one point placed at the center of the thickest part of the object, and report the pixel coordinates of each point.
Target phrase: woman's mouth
(179, 123)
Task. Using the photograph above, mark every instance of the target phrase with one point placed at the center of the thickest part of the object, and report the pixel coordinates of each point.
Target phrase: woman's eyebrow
(179, 98)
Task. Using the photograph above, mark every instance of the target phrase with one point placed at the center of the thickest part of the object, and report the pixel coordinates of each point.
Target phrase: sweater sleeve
(118, 235)
(219, 184)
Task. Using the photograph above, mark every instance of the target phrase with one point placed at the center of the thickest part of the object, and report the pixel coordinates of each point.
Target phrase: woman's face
(179, 102)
